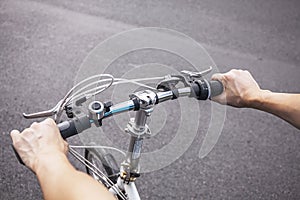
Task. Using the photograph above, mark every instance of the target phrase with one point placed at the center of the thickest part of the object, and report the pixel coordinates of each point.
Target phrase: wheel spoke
(97, 172)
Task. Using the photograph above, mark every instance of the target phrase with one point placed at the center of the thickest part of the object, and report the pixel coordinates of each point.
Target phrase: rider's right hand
(39, 142)
(240, 88)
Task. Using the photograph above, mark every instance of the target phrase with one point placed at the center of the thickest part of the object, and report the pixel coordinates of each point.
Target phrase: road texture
(42, 44)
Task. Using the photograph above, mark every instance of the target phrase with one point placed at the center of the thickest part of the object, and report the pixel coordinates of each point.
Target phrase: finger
(49, 121)
(217, 77)
(34, 125)
(235, 71)
(30, 135)
(220, 98)
(15, 136)
(66, 147)
(220, 77)
(36, 129)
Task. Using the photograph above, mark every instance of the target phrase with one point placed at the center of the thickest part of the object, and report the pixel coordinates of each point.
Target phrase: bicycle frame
(130, 189)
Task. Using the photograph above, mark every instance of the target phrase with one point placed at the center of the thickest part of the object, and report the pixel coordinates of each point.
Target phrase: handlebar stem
(138, 130)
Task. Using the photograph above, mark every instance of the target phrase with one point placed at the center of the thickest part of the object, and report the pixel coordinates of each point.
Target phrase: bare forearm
(283, 105)
(241, 90)
(59, 180)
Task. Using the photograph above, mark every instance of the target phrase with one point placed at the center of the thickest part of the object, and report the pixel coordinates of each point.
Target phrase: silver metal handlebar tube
(164, 96)
(129, 105)
(169, 95)
(184, 91)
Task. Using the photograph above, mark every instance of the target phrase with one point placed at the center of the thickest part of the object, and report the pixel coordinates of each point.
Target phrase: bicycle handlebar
(200, 89)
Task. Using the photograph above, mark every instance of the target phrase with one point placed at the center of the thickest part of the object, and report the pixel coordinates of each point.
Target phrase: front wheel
(104, 161)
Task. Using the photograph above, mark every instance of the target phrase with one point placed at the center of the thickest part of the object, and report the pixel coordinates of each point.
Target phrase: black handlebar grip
(67, 129)
(216, 88)
(203, 89)
(74, 126)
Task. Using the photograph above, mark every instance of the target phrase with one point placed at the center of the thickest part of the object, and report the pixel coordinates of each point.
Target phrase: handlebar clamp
(146, 99)
(96, 112)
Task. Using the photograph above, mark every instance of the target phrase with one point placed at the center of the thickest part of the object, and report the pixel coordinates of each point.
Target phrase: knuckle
(229, 77)
(215, 76)
(34, 125)
(49, 122)
(219, 77)
(247, 72)
(27, 131)
(27, 134)
(234, 71)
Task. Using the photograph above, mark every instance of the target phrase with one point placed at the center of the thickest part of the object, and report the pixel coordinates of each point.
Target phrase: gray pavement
(43, 43)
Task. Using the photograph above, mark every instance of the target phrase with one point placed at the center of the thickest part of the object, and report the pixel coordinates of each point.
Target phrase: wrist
(49, 161)
(257, 101)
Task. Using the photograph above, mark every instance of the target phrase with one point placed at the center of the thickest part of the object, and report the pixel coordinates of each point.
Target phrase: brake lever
(170, 81)
(197, 74)
(46, 113)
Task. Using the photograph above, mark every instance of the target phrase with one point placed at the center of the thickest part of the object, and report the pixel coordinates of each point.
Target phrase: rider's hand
(240, 88)
(39, 141)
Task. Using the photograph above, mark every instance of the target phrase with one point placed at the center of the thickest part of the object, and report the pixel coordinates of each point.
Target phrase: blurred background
(43, 43)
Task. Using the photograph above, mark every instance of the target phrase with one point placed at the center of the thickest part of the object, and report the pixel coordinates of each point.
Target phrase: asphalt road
(43, 43)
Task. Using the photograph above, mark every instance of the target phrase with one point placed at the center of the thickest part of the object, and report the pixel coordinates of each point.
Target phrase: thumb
(217, 77)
